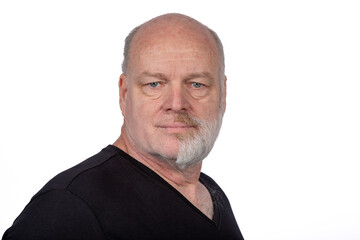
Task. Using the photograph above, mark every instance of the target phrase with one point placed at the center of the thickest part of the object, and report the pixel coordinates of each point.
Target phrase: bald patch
(173, 26)
(172, 31)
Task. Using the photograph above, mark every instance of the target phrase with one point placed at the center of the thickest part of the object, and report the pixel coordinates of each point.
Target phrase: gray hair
(129, 38)
(128, 41)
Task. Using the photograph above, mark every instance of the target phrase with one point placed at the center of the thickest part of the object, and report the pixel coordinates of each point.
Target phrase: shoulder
(63, 180)
(61, 210)
(56, 214)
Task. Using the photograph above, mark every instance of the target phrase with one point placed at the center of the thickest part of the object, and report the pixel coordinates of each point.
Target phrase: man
(148, 184)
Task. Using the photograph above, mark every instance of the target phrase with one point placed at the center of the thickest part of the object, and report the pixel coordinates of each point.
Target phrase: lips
(176, 127)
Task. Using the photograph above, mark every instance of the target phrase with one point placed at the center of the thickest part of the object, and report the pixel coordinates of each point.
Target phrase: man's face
(172, 90)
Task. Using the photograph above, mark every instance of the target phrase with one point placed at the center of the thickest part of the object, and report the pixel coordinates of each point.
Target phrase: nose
(176, 99)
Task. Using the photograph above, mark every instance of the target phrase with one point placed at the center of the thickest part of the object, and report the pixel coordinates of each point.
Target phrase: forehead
(174, 42)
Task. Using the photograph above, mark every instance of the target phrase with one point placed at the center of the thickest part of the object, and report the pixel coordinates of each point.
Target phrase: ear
(225, 92)
(123, 86)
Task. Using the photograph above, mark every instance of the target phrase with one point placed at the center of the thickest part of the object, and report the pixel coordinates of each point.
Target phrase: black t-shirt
(113, 196)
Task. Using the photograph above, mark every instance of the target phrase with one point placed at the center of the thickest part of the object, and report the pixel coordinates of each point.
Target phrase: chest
(161, 213)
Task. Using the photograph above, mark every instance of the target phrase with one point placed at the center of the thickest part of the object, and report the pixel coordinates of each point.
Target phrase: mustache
(184, 118)
(187, 119)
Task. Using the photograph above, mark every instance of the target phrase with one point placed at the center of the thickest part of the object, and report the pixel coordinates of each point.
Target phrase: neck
(175, 177)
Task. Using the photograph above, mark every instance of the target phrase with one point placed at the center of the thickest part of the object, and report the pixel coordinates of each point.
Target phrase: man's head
(173, 89)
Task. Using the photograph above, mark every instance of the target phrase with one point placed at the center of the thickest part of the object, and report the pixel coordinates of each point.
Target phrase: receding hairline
(176, 18)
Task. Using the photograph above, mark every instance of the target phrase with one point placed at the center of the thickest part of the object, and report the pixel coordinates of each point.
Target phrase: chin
(169, 154)
(167, 143)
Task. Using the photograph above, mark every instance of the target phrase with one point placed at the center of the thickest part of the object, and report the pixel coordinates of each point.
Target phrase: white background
(288, 154)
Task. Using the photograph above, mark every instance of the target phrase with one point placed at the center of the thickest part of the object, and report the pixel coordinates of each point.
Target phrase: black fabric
(113, 196)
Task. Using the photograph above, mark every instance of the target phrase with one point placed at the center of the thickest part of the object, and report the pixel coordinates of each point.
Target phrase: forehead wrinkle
(189, 76)
(166, 51)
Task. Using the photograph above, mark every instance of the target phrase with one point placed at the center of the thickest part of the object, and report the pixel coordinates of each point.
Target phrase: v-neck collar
(214, 222)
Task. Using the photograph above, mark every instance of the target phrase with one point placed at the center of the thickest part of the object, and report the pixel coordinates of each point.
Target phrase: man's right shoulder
(63, 180)
(58, 210)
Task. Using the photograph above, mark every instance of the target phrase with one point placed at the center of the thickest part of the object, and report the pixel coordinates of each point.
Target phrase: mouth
(175, 128)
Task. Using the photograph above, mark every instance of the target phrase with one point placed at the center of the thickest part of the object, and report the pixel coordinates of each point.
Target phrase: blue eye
(154, 84)
(196, 85)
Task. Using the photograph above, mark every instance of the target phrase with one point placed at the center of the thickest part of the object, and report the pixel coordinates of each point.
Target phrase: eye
(154, 84)
(153, 89)
(196, 85)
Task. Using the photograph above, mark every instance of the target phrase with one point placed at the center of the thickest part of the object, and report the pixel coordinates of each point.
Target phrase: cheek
(139, 113)
(210, 108)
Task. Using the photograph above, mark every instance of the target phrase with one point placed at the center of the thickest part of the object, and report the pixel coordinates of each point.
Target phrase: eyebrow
(199, 75)
(187, 77)
(154, 75)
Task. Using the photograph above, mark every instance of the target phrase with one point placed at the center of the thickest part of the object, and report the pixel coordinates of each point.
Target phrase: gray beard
(193, 149)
